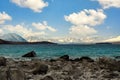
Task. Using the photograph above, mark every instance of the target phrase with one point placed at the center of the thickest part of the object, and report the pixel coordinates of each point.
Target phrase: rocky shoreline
(63, 68)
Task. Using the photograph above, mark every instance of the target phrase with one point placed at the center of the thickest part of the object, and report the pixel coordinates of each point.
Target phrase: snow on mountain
(12, 37)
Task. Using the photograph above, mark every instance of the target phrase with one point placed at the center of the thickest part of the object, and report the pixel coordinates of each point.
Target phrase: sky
(62, 21)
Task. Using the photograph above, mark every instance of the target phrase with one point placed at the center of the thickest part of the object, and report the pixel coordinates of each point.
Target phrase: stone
(11, 74)
(47, 78)
(85, 58)
(65, 57)
(117, 57)
(30, 54)
(40, 69)
(2, 61)
(111, 75)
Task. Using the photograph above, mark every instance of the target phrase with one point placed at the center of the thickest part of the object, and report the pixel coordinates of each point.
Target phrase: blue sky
(61, 20)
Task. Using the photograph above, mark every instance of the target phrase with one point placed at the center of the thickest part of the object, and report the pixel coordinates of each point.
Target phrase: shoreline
(62, 68)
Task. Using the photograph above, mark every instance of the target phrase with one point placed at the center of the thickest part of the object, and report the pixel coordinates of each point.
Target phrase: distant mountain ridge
(11, 42)
(12, 37)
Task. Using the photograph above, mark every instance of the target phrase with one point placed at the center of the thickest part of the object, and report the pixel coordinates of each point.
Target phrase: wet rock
(85, 58)
(47, 78)
(52, 60)
(40, 69)
(117, 57)
(30, 54)
(11, 74)
(76, 59)
(65, 57)
(2, 61)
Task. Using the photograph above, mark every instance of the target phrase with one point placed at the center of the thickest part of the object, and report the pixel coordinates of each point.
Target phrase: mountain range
(12, 37)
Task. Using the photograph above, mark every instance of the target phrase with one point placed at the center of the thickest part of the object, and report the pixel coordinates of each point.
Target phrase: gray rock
(30, 54)
(40, 69)
(65, 57)
(85, 58)
(2, 61)
(11, 74)
(47, 78)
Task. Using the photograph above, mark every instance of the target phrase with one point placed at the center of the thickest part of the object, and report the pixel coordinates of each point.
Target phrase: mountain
(12, 37)
(11, 42)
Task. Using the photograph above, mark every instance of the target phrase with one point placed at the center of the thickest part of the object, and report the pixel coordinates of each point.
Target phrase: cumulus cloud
(114, 39)
(35, 5)
(43, 26)
(21, 30)
(35, 33)
(1, 31)
(82, 30)
(109, 3)
(87, 17)
(84, 21)
(4, 17)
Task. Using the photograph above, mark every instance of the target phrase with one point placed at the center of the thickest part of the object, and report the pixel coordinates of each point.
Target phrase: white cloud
(1, 31)
(109, 3)
(114, 39)
(4, 17)
(36, 33)
(43, 26)
(84, 22)
(21, 30)
(87, 17)
(35, 5)
(82, 30)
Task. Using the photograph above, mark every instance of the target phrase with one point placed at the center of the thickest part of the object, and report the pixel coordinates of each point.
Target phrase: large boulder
(117, 57)
(108, 63)
(47, 78)
(30, 54)
(40, 69)
(85, 58)
(2, 61)
(11, 74)
(64, 57)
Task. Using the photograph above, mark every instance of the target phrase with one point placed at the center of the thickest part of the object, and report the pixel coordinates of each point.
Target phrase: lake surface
(52, 51)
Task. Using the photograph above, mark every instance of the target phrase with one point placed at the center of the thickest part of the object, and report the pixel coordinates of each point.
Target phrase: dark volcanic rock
(86, 59)
(2, 61)
(30, 54)
(65, 57)
(40, 69)
(47, 78)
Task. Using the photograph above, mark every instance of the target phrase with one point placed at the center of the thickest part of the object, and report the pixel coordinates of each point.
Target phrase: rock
(47, 78)
(11, 74)
(68, 78)
(2, 61)
(76, 59)
(3, 74)
(40, 69)
(16, 74)
(117, 57)
(86, 59)
(65, 57)
(30, 54)
(108, 63)
(111, 75)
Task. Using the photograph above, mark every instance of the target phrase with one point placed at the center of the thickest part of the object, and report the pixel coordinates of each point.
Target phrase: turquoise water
(53, 51)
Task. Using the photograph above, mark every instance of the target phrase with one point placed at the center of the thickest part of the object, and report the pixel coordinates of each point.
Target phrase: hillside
(11, 42)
